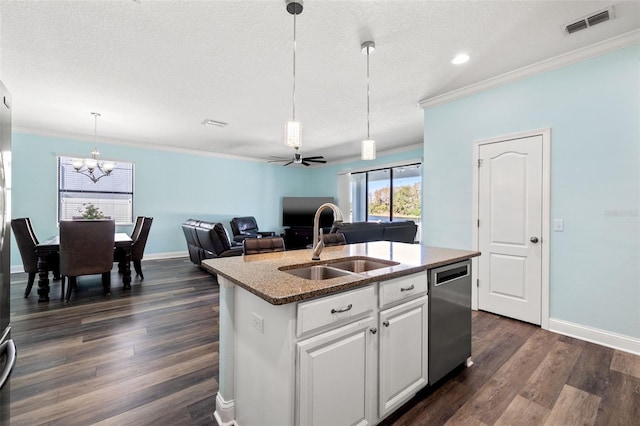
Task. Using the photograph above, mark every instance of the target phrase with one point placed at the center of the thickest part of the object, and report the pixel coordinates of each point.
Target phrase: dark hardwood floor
(149, 356)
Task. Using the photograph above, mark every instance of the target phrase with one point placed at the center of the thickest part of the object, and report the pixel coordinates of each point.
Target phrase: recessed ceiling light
(460, 58)
(210, 122)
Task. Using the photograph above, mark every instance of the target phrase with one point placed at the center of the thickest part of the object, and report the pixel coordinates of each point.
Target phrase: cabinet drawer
(334, 309)
(404, 288)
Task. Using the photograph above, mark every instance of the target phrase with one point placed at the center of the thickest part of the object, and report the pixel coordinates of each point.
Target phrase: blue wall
(593, 110)
(170, 186)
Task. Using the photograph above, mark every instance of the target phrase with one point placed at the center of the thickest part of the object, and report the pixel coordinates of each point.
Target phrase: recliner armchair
(247, 227)
(208, 240)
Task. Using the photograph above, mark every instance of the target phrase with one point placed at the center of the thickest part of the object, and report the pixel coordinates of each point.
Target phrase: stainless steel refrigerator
(7, 346)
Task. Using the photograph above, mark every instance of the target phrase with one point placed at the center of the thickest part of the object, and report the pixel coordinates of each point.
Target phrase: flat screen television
(298, 212)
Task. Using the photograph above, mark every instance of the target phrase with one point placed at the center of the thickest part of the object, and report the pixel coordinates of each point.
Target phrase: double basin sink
(337, 268)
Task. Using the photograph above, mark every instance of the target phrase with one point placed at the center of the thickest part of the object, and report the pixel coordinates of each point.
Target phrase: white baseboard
(168, 255)
(16, 269)
(225, 413)
(595, 335)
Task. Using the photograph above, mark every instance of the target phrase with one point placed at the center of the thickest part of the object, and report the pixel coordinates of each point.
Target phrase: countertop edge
(364, 280)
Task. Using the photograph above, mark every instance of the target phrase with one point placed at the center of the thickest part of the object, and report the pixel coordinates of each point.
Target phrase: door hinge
(477, 282)
(479, 162)
(478, 223)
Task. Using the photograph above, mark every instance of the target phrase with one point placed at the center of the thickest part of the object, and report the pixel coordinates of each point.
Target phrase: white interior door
(510, 228)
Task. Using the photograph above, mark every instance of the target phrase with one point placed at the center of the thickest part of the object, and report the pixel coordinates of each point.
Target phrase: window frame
(391, 186)
(61, 191)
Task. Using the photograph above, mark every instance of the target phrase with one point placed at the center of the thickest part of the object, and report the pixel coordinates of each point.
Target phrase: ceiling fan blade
(317, 157)
(305, 163)
(315, 161)
(286, 164)
(277, 161)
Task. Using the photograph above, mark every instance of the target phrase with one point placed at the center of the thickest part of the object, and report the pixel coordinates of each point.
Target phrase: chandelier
(92, 167)
(293, 128)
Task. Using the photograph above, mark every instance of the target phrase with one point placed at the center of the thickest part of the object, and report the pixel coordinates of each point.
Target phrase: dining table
(52, 245)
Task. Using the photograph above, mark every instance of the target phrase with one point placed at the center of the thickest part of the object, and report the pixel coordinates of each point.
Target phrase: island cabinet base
(347, 358)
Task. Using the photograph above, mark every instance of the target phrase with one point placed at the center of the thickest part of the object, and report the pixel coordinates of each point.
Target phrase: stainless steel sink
(316, 273)
(361, 265)
(338, 268)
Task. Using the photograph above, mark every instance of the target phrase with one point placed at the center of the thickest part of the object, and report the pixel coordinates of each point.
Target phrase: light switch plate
(558, 225)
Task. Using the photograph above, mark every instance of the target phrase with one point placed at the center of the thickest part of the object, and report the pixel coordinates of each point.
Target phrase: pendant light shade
(368, 149)
(293, 128)
(293, 134)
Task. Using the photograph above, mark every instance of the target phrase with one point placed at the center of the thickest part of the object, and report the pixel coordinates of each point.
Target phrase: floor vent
(589, 21)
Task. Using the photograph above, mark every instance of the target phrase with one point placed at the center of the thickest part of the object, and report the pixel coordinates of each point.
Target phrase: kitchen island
(348, 348)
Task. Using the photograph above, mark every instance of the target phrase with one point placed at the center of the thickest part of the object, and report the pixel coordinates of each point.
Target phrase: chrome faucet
(318, 243)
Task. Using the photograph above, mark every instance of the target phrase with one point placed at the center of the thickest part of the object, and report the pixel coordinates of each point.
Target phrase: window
(112, 195)
(387, 194)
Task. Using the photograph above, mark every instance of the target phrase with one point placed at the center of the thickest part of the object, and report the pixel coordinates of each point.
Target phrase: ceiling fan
(299, 159)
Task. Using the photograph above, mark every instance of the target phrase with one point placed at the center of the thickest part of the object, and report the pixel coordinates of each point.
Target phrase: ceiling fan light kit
(293, 128)
(368, 149)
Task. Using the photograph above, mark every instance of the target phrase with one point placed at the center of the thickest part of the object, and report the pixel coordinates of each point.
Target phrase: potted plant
(92, 212)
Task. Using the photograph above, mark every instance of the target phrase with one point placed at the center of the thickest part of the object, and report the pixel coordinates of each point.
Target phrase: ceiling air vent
(589, 21)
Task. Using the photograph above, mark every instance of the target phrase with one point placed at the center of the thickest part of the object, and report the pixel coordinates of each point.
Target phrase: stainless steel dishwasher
(449, 318)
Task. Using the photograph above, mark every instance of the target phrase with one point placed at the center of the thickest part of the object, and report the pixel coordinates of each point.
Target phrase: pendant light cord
(368, 136)
(294, 67)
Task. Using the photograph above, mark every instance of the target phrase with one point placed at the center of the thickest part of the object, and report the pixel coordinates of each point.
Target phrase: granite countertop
(260, 273)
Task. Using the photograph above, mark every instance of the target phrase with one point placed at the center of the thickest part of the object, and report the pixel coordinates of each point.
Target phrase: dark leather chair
(247, 227)
(208, 240)
(189, 230)
(86, 248)
(334, 239)
(139, 237)
(214, 241)
(263, 245)
(26, 240)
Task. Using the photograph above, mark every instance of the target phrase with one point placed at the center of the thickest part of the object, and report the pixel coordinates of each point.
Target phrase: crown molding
(152, 147)
(615, 43)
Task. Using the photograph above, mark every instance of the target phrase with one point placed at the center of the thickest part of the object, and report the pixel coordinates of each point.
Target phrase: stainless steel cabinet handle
(373, 330)
(343, 309)
(411, 287)
(386, 323)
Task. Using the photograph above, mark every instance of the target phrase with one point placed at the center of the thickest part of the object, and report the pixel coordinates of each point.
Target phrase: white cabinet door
(337, 376)
(403, 353)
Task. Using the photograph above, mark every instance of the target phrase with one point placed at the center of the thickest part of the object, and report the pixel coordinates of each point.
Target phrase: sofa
(208, 240)
(364, 232)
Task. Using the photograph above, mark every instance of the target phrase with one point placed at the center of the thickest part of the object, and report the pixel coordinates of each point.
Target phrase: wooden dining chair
(27, 241)
(263, 245)
(118, 255)
(139, 241)
(86, 248)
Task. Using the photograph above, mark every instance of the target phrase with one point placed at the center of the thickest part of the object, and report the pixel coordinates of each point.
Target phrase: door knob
(533, 239)
(373, 330)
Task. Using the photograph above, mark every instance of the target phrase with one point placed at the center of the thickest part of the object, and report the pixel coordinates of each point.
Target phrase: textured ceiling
(156, 69)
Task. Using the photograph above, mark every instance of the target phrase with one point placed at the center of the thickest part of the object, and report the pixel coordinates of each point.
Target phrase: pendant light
(293, 128)
(368, 145)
